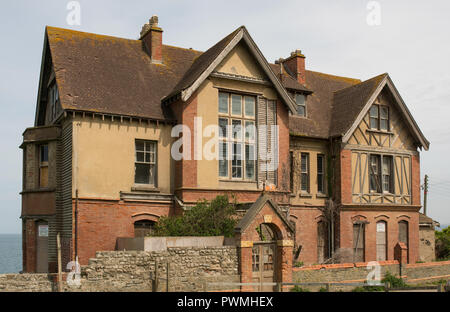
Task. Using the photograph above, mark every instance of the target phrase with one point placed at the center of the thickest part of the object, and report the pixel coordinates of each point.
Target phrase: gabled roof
(105, 74)
(350, 105)
(253, 211)
(209, 60)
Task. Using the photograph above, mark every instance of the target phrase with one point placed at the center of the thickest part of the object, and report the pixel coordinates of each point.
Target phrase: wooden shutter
(266, 117)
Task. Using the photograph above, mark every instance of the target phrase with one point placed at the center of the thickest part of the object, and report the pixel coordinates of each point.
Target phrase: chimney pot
(151, 35)
(296, 65)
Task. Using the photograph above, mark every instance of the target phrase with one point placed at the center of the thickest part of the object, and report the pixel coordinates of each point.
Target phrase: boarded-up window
(322, 241)
(143, 228)
(43, 166)
(375, 181)
(381, 241)
(358, 242)
(403, 232)
(403, 236)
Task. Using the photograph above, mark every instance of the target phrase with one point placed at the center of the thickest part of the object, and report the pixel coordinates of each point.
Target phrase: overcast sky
(410, 43)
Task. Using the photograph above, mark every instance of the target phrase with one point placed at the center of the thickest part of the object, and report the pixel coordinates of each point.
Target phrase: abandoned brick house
(97, 164)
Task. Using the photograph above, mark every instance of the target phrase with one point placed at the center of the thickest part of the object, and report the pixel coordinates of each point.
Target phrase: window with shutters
(320, 173)
(43, 166)
(145, 163)
(304, 163)
(381, 241)
(358, 242)
(237, 141)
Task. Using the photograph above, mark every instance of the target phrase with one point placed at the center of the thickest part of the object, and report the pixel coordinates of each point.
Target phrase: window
(375, 173)
(321, 174)
(381, 174)
(379, 117)
(237, 145)
(144, 228)
(43, 166)
(381, 241)
(300, 99)
(304, 172)
(388, 185)
(358, 241)
(53, 98)
(145, 163)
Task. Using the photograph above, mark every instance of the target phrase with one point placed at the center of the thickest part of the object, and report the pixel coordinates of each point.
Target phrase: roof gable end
(387, 82)
(208, 61)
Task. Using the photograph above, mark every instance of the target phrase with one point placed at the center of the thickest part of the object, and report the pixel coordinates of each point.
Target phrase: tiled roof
(319, 104)
(113, 75)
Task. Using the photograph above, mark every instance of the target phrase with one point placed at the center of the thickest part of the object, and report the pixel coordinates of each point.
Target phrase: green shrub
(394, 282)
(297, 288)
(323, 289)
(213, 218)
(443, 244)
(298, 264)
(368, 288)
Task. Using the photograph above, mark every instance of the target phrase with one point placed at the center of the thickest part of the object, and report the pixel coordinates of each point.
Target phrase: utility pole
(425, 194)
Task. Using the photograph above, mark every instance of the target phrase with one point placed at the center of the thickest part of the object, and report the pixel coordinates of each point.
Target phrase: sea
(10, 253)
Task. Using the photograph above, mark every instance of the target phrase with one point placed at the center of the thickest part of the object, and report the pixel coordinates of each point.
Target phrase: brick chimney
(151, 35)
(296, 65)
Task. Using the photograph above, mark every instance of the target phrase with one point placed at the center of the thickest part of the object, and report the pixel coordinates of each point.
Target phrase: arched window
(381, 241)
(322, 241)
(359, 241)
(403, 236)
(144, 228)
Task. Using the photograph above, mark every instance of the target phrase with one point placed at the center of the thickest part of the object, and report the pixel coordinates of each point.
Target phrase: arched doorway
(264, 257)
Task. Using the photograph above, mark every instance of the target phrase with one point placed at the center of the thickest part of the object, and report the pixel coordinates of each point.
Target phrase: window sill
(306, 195)
(237, 180)
(380, 131)
(144, 188)
(321, 195)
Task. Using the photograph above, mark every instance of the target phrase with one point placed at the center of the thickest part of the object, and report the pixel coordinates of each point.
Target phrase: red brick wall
(283, 171)
(306, 220)
(392, 218)
(101, 222)
(186, 170)
(345, 176)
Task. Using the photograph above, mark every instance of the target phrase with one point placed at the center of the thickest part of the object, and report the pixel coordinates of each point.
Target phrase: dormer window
(300, 100)
(379, 117)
